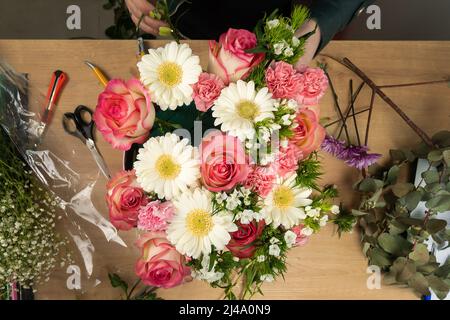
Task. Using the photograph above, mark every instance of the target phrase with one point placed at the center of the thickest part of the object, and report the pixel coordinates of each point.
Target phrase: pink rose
(260, 180)
(155, 216)
(206, 91)
(124, 198)
(160, 264)
(124, 113)
(284, 81)
(224, 162)
(301, 238)
(243, 241)
(286, 161)
(309, 134)
(228, 58)
(315, 84)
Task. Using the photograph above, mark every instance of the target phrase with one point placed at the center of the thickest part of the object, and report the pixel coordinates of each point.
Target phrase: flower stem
(369, 117)
(445, 80)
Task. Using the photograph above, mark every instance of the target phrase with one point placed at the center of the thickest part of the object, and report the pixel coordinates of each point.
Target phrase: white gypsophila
(312, 212)
(167, 166)
(169, 73)
(286, 120)
(273, 23)
(288, 52)
(290, 237)
(221, 197)
(335, 209)
(274, 240)
(284, 143)
(279, 47)
(285, 203)
(292, 104)
(194, 228)
(261, 258)
(232, 202)
(323, 221)
(295, 41)
(239, 107)
(307, 231)
(206, 273)
(246, 216)
(266, 278)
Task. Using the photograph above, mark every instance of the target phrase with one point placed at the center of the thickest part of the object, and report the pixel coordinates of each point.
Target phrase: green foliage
(276, 36)
(392, 238)
(309, 171)
(123, 27)
(345, 221)
(146, 293)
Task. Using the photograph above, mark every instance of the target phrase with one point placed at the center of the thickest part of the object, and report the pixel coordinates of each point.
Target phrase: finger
(144, 6)
(154, 23)
(144, 27)
(132, 8)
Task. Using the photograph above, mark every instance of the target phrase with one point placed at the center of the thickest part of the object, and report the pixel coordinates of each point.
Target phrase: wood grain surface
(328, 267)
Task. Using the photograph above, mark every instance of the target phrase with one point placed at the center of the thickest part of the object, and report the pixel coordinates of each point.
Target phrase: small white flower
(232, 203)
(274, 250)
(261, 258)
(307, 231)
(275, 126)
(295, 41)
(335, 209)
(290, 238)
(279, 47)
(236, 259)
(273, 23)
(288, 52)
(292, 104)
(313, 213)
(286, 119)
(274, 240)
(323, 221)
(264, 134)
(258, 216)
(266, 277)
(284, 143)
(246, 216)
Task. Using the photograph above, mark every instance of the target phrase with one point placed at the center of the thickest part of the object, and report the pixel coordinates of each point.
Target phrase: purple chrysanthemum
(354, 156)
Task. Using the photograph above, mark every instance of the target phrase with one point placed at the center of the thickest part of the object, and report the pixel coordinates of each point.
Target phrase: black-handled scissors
(80, 124)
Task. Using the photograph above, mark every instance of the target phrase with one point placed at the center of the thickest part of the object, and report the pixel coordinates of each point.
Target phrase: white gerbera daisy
(169, 72)
(284, 204)
(167, 166)
(194, 228)
(239, 107)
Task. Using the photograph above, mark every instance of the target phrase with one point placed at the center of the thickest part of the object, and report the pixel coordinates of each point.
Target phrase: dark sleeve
(333, 16)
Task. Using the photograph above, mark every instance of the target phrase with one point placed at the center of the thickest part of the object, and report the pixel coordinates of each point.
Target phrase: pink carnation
(155, 216)
(315, 83)
(284, 81)
(260, 180)
(301, 238)
(287, 159)
(206, 91)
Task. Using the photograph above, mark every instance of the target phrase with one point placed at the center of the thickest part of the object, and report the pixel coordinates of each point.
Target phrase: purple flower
(353, 156)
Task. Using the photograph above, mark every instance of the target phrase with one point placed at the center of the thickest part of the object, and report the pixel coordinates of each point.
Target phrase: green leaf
(443, 271)
(440, 203)
(379, 257)
(407, 272)
(402, 189)
(430, 176)
(428, 268)
(419, 283)
(358, 213)
(420, 254)
(435, 225)
(396, 227)
(439, 287)
(442, 139)
(117, 282)
(412, 199)
(446, 154)
(435, 155)
(410, 221)
(394, 244)
(392, 175)
(369, 185)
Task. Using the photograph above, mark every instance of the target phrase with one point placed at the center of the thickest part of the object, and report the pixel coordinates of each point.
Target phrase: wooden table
(328, 267)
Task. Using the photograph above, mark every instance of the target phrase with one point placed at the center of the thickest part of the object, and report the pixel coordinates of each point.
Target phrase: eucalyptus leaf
(435, 225)
(358, 213)
(428, 268)
(435, 155)
(439, 287)
(419, 283)
(412, 199)
(392, 175)
(379, 257)
(420, 254)
(407, 272)
(369, 185)
(439, 203)
(410, 221)
(446, 154)
(442, 139)
(394, 244)
(402, 189)
(430, 176)
(443, 271)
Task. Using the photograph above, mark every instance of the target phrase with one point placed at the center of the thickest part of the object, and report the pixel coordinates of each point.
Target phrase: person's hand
(311, 45)
(138, 8)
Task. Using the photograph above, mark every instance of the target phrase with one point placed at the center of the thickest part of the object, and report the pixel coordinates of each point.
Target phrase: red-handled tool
(58, 80)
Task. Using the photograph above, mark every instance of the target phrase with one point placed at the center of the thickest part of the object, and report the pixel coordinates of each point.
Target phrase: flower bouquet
(222, 186)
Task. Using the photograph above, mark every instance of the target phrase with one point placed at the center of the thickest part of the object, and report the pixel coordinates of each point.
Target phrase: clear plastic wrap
(67, 170)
